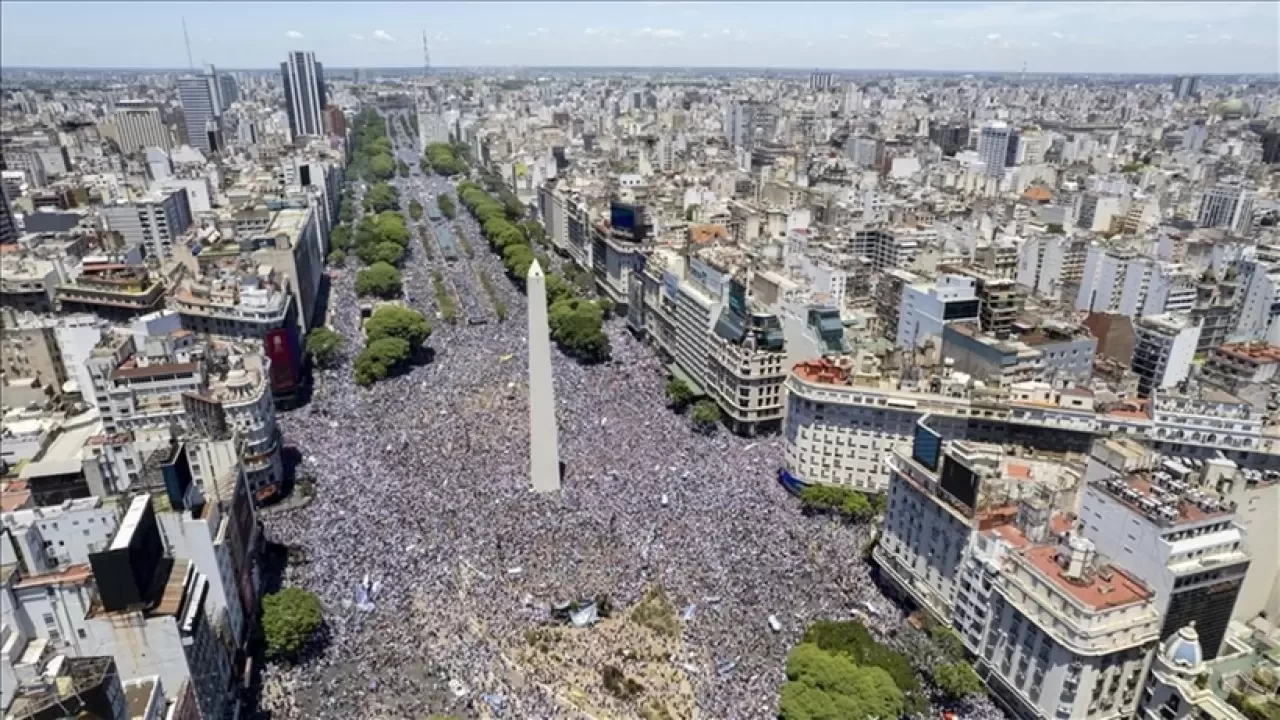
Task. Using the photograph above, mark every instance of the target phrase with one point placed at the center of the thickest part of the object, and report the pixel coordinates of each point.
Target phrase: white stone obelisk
(544, 444)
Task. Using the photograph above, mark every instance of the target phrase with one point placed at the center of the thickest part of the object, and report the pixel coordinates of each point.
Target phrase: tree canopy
(337, 258)
(371, 150)
(289, 618)
(444, 159)
(679, 394)
(957, 680)
(378, 279)
(577, 327)
(415, 209)
(705, 416)
(384, 252)
(841, 501)
(381, 197)
(398, 322)
(379, 358)
(829, 686)
(324, 345)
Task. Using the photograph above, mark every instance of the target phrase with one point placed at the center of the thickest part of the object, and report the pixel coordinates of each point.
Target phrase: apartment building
(112, 290)
(1051, 265)
(1184, 544)
(236, 302)
(844, 418)
(928, 307)
(1235, 365)
(153, 222)
(698, 316)
(58, 536)
(1236, 685)
(1163, 352)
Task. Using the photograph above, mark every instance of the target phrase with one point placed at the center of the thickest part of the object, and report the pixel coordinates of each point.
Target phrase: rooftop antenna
(187, 39)
(426, 56)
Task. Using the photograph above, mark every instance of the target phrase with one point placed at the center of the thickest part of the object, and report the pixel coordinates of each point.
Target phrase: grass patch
(656, 612)
(448, 310)
(499, 307)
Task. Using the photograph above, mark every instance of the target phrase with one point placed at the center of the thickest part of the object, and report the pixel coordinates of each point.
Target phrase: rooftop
(129, 370)
(1261, 353)
(1107, 588)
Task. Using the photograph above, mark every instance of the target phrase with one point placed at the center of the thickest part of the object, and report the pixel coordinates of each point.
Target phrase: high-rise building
(1229, 205)
(1271, 147)
(8, 228)
(951, 137)
(821, 80)
(335, 123)
(140, 125)
(1185, 545)
(228, 90)
(1186, 86)
(998, 147)
(201, 98)
(304, 93)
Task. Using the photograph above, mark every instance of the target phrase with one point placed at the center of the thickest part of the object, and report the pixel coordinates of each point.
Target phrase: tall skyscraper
(995, 145)
(201, 97)
(140, 125)
(228, 89)
(304, 94)
(1186, 86)
(544, 448)
(8, 228)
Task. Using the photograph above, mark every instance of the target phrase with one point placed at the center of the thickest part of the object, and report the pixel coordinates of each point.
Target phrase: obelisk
(544, 447)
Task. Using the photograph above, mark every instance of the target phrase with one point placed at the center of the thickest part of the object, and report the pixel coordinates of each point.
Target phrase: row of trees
(446, 159)
(394, 335)
(705, 416)
(577, 323)
(371, 157)
(851, 504)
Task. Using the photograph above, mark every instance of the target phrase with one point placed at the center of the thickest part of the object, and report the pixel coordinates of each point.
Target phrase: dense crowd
(423, 497)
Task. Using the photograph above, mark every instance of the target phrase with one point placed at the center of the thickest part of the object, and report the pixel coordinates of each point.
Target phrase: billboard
(703, 274)
(286, 359)
(960, 483)
(670, 283)
(623, 216)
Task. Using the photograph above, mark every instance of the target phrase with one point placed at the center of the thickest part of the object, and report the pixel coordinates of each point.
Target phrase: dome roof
(1181, 652)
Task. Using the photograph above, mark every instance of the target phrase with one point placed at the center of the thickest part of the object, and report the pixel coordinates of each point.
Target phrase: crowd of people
(422, 486)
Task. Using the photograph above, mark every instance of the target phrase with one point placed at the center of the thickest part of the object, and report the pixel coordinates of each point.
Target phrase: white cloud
(538, 31)
(1057, 35)
(294, 34)
(383, 36)
(726, 31)
(993, 36)
(355, 36)
(842, 37)
(591, 31)
(660, 33)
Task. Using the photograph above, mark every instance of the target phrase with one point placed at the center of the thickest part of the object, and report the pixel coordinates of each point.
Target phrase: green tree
(517, 259)
(324, 345)
(557, 289)
(534, 231)
(381, 197)
(957, 680)
(382, 166)
(447, 208)
(830, 686)
(705, 416)
(379, 358)
(389, 227)
(289, 618)
(851, 638)
(378, 279)
(337, 258)
(415, 210)
(398, 322)
(402, 168)
(346, 211)
(340, 238)
(679, 394)
(844, 501)
(388, 252)
(947, 642)
(577, 327)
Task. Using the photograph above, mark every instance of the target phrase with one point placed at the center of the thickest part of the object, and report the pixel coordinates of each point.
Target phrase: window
(81, 633)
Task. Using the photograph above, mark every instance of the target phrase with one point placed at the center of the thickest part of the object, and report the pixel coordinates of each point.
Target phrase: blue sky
(1053, 37)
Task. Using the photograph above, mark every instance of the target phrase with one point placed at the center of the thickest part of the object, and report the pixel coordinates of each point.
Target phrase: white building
(995, 143)
(1122, 282)
(927, 307)
(153, 221)
(1258, 312)
(1228, 205)
(58, 536)
(1164, 347)
(1184, 544)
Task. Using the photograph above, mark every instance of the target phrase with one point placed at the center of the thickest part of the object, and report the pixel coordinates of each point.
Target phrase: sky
(1119, 37)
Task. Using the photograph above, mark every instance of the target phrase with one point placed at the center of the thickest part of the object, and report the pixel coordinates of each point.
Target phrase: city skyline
(1116, 38)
